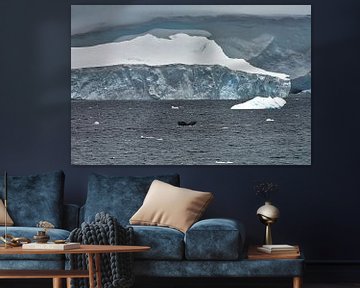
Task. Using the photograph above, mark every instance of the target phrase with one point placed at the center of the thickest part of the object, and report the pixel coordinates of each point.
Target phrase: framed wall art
(191, 85)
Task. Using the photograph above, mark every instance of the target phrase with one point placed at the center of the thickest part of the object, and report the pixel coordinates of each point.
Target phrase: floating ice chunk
(151, 137)
(305, 91)
(261, 103)
(96, 123)
(224, 162)
(269, 120)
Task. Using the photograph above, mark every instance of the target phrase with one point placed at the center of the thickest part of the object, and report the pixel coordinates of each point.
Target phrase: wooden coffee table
(92, 251)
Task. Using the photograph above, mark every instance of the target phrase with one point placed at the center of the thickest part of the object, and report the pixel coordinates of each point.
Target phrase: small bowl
(41, 237)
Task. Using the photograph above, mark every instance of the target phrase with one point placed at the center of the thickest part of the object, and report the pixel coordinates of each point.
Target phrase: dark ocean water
(147, 133)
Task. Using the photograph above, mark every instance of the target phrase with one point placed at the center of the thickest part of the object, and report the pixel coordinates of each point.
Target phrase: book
(51, 246)
(255, 254)
(278, 249)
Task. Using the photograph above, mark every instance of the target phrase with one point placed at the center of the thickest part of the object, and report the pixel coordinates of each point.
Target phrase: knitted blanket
(116, 268)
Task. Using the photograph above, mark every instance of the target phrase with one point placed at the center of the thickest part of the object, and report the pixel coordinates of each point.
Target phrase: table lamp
(268, 214)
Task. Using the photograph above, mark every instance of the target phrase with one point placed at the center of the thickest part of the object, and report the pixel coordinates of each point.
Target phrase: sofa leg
(57, 283)
(297, 282)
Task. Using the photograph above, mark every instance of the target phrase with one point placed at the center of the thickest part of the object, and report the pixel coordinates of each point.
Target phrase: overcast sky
(85, 18)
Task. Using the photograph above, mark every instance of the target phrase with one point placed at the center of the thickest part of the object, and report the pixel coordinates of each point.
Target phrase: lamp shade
(269, 211)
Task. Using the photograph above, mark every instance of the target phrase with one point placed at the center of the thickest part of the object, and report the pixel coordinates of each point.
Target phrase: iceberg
(181, 67)
(261, 103)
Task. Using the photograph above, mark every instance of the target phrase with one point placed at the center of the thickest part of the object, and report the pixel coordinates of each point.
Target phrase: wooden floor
(45, 283)
(339, 285)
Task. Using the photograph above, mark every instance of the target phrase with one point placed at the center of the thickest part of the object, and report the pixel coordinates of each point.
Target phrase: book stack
(51, 246)
(279, 249)
(282, 251)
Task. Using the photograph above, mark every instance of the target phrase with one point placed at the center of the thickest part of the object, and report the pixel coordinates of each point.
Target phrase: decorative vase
(41, 237)
(268, 214)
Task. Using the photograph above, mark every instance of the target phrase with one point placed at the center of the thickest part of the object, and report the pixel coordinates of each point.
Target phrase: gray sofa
(210, 248)
(32, 199)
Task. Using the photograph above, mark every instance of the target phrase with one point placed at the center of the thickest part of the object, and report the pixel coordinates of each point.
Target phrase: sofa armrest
(71, 216)
(215, 239)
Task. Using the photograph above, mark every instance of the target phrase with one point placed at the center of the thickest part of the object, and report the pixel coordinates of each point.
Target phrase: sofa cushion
(29, 232)
(214, 239)
(170, 206)
(165, 243)
(9, 221)
(35, 198)
(119, 196)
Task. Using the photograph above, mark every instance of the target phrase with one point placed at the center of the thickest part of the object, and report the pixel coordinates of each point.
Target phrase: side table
(255, 255)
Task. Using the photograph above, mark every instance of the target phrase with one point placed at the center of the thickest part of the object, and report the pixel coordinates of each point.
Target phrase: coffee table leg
(297, 282)
(98, 270)
(57, 283)
(91, 270)
(68, 282)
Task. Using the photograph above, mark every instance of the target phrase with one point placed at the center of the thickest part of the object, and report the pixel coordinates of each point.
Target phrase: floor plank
(46, 283)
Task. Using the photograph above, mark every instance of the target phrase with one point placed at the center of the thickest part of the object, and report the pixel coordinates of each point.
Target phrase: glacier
(181, 67)
(173, 82)
(276, 43)
(155, 51)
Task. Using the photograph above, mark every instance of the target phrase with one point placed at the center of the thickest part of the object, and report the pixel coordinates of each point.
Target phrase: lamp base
(268, 237)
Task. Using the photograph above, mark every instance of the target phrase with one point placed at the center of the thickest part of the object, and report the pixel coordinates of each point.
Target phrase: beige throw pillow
(9, 221)
(170, 206)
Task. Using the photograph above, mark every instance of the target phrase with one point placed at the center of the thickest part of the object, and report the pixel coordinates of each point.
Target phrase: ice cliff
(169, 82)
